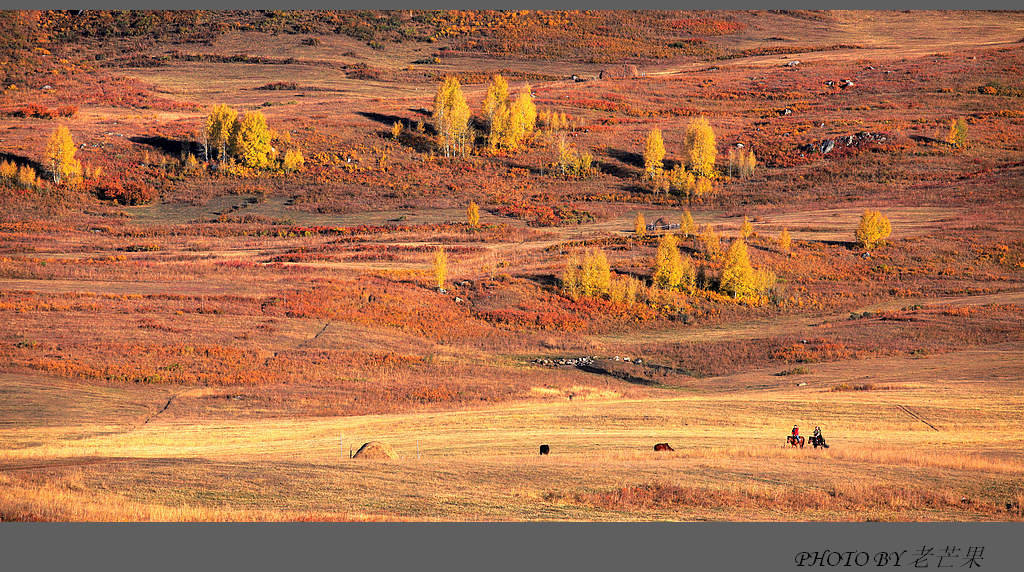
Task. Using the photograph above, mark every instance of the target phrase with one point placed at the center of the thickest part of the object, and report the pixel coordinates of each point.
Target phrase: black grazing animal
(663, 447)
(544, 449)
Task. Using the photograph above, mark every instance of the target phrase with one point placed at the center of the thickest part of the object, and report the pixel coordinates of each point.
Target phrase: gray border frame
(507, 546)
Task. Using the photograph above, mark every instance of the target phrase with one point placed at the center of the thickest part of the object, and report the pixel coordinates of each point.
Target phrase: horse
(663, 447)
(795, 441)
(818, 441)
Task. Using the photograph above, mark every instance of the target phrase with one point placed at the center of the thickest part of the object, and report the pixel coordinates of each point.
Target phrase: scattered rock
(739, 145)
(850, 141)
(565, 362)
(793, 63)
(786, 111)
(846, 83)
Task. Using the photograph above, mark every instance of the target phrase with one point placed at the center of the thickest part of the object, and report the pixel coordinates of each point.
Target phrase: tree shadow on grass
(174, 147)
(20, 160)
(627, 157)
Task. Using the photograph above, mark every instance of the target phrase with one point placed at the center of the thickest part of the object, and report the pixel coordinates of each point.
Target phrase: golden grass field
(481, 464)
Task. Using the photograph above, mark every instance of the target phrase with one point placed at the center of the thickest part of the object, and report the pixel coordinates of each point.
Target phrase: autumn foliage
(60, 154)
(451, 118)
(873, 229)
(654, 154)
(699, 147)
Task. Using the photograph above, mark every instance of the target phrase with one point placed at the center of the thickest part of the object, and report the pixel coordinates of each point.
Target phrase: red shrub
(126, 192)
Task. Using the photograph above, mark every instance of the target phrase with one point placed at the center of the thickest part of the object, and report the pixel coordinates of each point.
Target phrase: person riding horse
(794, 438)
(817, 439)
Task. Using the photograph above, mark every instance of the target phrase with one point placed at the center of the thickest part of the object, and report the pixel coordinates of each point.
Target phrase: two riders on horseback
(796, 440)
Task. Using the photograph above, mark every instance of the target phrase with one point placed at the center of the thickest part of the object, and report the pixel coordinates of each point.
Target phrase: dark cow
(544, 449)
(663, 447)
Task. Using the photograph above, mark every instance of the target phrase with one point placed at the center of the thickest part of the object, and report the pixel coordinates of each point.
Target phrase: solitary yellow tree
(688, 282)
(711, 243)
(624, 290)
(60, 153)
(785, 241)
(654, 154)
(699, 144)
(596, 277)
(219, 125)
(250, 141)
(748, 164)
(473, 215)
(496, 98)
(687, 226)
(26, 177)
(451, 117)
(293, 160)
(668, 265)
(440, 267)
(873, 229)
(738, 278)
(572, 284)
(703, 187)
(640, 225)
(957, 133)
(746, 229)
(8, 170)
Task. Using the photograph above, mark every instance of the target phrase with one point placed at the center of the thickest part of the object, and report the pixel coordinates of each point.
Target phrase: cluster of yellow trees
(553, 120)
(590, 275)
(451, 118)
(587, 276)
(673, 270)
(22, 176)
(60, 157)
(66, 170)
(694, 176)
(246, 139)
(742, 163)
(510, 123)
(571, 163)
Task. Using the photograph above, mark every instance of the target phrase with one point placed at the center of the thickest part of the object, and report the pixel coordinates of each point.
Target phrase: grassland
(215, 353)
